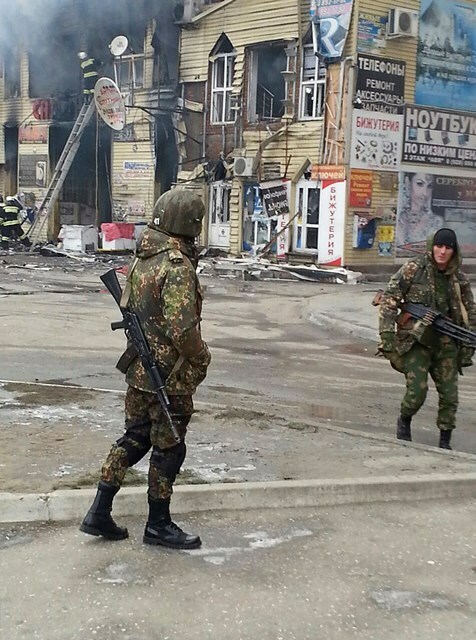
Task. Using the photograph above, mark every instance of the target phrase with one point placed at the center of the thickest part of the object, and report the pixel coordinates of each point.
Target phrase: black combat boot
(445, 439)
(161, 530)
(98, 520)
(404, 428)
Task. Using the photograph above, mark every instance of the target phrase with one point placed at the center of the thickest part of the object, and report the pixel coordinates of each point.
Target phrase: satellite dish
(110, 103)
(119, 45)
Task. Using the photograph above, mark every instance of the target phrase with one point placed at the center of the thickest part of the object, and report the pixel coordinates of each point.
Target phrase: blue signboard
(446, 58)
(331, 21)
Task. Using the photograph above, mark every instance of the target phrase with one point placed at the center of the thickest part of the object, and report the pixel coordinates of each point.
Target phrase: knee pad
(134, 448)
(167, 462)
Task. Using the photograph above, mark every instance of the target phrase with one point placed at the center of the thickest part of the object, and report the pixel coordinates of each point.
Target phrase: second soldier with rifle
(163, 291)
(417, 347)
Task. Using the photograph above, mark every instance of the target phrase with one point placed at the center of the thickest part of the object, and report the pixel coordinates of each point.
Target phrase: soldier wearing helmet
(163, 289)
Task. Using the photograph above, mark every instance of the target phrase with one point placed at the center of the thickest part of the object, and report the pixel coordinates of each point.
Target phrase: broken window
(222, 58)
(11, 66)
(222, 84)
(266, 83)
(130, 71)
(306, 226)
(313, 80)
(220, 203)
(59, 57)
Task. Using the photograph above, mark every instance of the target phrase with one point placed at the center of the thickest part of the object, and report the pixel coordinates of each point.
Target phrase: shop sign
(330, 21)
(376, 140)
(32, 170)
(332, 225)
(37, 134)
(439, 137)
(361, 183)
(327, 172)
(275, 198)
(371, 30)
(446, 54)
(381, 84)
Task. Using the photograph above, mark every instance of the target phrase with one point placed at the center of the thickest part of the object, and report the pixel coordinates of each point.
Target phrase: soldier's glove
(387, 344)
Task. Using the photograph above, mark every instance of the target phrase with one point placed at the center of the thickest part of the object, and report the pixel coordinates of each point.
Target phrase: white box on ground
(77, 237)
(118, 244)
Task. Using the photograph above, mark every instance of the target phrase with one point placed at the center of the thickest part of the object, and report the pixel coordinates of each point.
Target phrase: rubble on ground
(262, 269)
(48, 256)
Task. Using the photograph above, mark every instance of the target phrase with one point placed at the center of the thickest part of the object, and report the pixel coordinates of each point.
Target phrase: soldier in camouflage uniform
(164, 291)
(417, 349)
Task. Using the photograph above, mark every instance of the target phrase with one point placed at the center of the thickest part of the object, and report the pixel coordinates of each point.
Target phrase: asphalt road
(266, 352)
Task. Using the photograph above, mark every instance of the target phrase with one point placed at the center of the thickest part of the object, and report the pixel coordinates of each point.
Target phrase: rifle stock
(135, 334)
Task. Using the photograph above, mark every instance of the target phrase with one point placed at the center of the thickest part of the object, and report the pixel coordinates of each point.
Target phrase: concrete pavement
(351, 572)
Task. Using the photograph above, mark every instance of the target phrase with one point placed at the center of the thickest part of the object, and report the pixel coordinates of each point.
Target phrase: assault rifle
(135, 334)
(441, 323)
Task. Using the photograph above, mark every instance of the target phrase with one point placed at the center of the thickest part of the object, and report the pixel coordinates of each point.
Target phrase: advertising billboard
(330, 20)
(439, 137)
(428, 202)
(446, 55)
(380, 83)
(376, 140)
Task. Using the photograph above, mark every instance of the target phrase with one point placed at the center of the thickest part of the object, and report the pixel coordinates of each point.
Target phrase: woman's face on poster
(420, 190)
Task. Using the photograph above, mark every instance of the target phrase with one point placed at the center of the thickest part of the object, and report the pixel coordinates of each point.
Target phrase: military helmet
(179, 212)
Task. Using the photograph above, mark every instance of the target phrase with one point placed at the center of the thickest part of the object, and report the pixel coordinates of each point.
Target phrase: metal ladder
(61, 171)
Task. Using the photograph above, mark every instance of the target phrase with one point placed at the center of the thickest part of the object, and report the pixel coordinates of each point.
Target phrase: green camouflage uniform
(166, 295)
(418, 350)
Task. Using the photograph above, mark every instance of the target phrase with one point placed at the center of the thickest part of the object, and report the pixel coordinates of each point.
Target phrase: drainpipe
(205, 113)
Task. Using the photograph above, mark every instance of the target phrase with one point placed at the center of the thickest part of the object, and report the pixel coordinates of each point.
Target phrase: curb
(71, 505)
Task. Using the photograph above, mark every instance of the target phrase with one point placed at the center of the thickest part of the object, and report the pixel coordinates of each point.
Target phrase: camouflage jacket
(419, 280)
(166, 295)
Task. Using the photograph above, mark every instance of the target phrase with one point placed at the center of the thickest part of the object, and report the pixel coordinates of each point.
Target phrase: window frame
(225, 91)
(317, 84)
(306, 186)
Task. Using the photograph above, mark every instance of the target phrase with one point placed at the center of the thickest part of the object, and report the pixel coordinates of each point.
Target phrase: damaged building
(294, 133)
(254, 94)
(115, 175)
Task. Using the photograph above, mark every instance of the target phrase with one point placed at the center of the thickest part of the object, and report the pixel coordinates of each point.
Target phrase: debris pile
(262, 269)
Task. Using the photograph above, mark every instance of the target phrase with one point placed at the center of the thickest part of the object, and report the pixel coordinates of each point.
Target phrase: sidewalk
(353, 572)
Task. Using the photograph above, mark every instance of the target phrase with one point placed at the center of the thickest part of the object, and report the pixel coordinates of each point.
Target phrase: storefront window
(257, 227)
(306, 227)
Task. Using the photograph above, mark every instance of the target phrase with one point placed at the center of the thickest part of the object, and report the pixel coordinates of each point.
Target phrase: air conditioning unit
(186, 10)
(243, 167)
(402, 23)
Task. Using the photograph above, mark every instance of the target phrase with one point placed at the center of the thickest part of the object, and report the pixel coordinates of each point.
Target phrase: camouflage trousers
(441, 362)
(146, 427)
